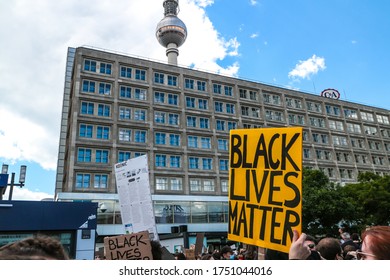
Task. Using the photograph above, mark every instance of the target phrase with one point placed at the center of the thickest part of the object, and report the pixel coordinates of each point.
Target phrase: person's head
(38, 248)
(345, 236)
(347, 249)
(375, 244)
(226, 252)
(329, 248)
(180, 256)
(207, 257)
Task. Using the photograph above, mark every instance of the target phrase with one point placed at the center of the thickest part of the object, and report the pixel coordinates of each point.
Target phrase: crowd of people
(373, 244)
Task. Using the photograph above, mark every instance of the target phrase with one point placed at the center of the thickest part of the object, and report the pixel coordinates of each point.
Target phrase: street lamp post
(4, 174)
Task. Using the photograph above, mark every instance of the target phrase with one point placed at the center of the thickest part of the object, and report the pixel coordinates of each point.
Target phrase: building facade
(117, 107)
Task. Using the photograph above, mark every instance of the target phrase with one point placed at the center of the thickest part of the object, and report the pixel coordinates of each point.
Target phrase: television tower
(171, 32)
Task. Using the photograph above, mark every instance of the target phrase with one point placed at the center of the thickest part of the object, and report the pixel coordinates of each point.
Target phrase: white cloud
(304, 69)
(253, 2)
(254, 35)
(26, 194)
(33, 57)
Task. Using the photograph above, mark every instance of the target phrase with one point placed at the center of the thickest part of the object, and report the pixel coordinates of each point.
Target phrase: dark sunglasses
(311, 245)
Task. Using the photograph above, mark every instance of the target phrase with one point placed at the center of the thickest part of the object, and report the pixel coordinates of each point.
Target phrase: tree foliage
(327, 205)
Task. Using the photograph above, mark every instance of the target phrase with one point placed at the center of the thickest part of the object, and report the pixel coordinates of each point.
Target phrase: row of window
(227, 90)
(343, 157)
(100, 181)
(204, 142)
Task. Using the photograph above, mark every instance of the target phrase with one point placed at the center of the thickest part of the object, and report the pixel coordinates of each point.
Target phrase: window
(244, 111)
(354, 128)
(192, 141)
(367, 116)
(104, 110)
(86, 131)
(382, 119)
(100, 181)
(232, 125)
(176, 184)
(218, 106)
(90, 65)
(174, 139)
(159, 117)
(140, 115)
(350, 113)
(191, 121)
(84, 155)
(189, 84)
(201, 85)
(195, 185)
(159, 97)
(83, 181)
(124, 113)
(172, 80)
(230, 108)
(125, 92)
(103, 132)
(243, 93)
(105, 68)
(140, 136)
(208, 185)
(223, 164)
(125, 72)
(160, 138)
(207, 163)
(204, 123)
(161, 184)
(174, 161)
(190, 102)
(173, 119)
(223, 144)
(158, 78)
(221, 125)
(123, 156)
(161, 161)
(228, 90)
(140, 94)
(205, 142)
(101, 156)
(217, 88)
(224, 186)
(193, 163)
(87, 108)
(173, 99)
(203, 104)
(125, 135)
(140, 74)
(88, 86)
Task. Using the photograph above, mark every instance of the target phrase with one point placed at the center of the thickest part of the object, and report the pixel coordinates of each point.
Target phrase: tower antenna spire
(171, 32)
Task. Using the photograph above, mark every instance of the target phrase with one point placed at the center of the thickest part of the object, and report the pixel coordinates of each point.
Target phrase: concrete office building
(117, 107)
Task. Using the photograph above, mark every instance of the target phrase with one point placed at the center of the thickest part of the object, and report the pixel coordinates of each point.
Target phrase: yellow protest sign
(265, 186)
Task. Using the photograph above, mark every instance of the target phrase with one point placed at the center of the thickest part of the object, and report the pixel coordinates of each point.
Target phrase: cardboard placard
(265, 186)
(128, 247)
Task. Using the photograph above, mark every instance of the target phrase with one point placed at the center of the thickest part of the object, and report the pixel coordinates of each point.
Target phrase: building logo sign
(330, 93)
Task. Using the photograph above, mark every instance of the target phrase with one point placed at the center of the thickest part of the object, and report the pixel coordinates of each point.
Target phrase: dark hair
(156, 250)
(379, 241)
(180, 256)
(329, 248)
(38, 247)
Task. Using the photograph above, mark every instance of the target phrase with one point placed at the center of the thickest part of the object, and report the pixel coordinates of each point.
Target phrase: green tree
(323, 205)
(371, 197)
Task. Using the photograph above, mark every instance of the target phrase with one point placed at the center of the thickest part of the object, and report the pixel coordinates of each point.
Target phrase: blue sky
(304, 45)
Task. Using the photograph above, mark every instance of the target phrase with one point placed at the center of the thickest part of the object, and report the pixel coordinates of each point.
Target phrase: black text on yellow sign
(265, 186)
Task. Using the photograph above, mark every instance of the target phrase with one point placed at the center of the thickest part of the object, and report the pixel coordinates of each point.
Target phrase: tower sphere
(171, 30)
